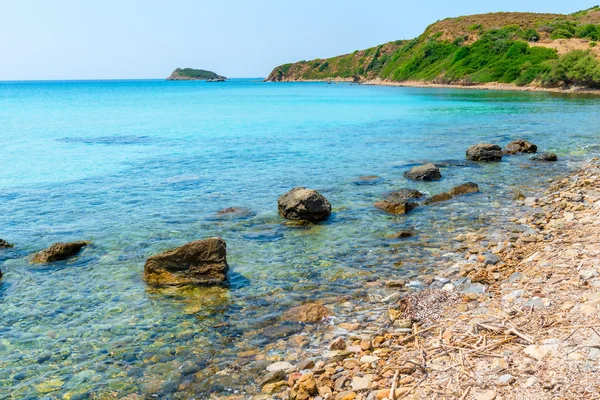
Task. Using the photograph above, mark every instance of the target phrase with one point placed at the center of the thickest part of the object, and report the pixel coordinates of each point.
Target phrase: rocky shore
(516, 317)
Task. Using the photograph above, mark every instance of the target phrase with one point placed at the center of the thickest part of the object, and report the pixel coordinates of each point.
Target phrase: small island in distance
(191, 74)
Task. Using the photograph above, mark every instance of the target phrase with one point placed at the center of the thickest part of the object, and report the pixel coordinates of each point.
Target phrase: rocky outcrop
(545, 157)
(465, 188)
(484, 152)
(309, 312)
(5, 245)
(520, 146)
(202, 262)
(302, 204)
(399, 202)
(425, 172)
(59, 252)
(192, 74)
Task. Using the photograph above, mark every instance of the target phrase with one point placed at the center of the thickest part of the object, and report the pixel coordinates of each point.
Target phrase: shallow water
(142, 166)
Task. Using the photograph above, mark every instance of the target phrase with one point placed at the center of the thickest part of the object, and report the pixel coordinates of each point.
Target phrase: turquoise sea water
(138, 167)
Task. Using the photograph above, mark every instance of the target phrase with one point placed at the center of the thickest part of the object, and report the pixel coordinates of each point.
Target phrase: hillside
(191, 74)
(548, 50)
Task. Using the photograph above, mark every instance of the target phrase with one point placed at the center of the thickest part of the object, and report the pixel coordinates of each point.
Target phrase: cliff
(190, 74)
(548, 50)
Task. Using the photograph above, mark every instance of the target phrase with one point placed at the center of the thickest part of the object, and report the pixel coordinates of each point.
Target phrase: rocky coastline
(515, 318)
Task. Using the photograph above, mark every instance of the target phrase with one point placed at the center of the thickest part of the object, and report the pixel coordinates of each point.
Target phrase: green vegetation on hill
(194, 74)
(517, 48)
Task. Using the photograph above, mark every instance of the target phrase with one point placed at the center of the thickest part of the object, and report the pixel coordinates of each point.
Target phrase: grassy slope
(497, 47)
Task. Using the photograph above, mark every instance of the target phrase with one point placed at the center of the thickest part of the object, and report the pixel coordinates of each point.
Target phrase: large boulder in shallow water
(202, 262)
(399, 202)
(484, 152)
(465, 188)
(425, 172)
(520, 146)
(59, 252)
(309, 312)
(545, 157)
(5, 245)
(302, 204)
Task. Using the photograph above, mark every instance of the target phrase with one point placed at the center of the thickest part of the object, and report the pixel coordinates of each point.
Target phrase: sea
(142, 166)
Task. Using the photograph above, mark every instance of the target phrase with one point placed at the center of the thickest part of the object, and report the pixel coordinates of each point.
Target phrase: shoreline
(510, 327)
(480, 86)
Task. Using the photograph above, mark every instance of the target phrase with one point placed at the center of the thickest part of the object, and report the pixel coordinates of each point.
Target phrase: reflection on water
(140, 167)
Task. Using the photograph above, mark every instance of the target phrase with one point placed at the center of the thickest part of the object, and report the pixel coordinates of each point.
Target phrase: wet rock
(545, 157)
(401, 235)
(338, 344)
(465, 188)
(425, 172)
(59, 252)
(399, 202)
(484, 152)
(520, 146)
(309, 312)
(273, 376)
(303, 204)
(275, 387)
(368, 180)
(202, 262)
(235, 211)
(5, 245)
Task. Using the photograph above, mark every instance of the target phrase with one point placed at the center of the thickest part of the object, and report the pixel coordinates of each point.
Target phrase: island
(191, 74)
(513, 50)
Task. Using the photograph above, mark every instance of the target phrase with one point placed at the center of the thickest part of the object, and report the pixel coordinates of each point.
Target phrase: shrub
(575, 68)
(593, 44)
(531, 35)
(561, 34)
(588, 31)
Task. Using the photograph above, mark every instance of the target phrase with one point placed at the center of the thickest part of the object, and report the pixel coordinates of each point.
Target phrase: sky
(125, 39)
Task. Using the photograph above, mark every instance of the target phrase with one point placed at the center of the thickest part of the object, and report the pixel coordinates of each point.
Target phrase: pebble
(487, 395)
(281, 366)
(361, 383)
(338, 344)
(368, 359)
(346, 396)
(506, 380)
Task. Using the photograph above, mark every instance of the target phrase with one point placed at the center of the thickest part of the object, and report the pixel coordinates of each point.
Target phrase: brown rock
(425, 172)
(484, 152)
(465, 188)
(349, 395)
(520, 146)
(202, 262)
(302, 204)
(309, 312)
(5, 245)
(399, 202)
(366, 345)
(400, 235)
(275, 387)
(59, 252)
(235, 211)
(338, 344)
(304, 388)
(545, 157)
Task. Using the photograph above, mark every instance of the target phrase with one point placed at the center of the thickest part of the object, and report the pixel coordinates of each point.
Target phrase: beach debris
(202, 262)
(309, 312)
(520, 146)
(59, 252)
(302, 204)
(399, 202)
(425, 172)
(484, 152)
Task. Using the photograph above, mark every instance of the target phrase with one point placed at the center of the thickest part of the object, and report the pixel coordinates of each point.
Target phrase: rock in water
(425, 172)
(5, 245)
(59, 252)
(520, 146)
(309, 312)
(399, 202)
(484, 152)
(202, 262)
(465, 188)
(302, 204)
(546, 157)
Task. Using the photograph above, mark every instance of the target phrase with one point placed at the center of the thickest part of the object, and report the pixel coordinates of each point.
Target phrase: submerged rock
(425, 172)
(545, 157)
(59, 252)
(399, 202)
(235, 212)
(5, 245)
(203, 262)
(465, 188)
(484, 152)
(400, 234)
(520, 146)
(302, 204)
(309, 312)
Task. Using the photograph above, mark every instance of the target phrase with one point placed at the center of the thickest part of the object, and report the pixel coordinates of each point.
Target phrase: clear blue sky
(104, 39)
